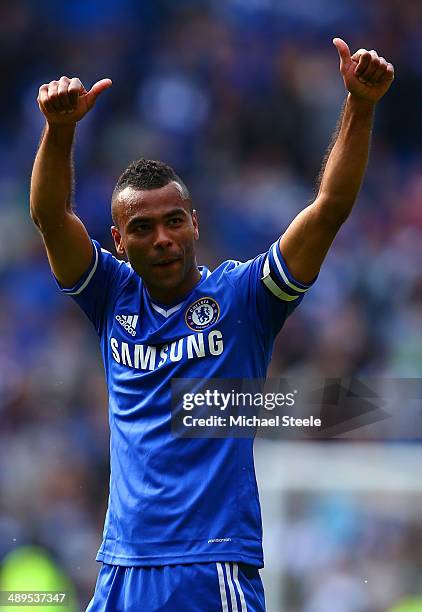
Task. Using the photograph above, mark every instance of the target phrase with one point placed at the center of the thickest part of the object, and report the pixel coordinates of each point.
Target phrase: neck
(178, 293)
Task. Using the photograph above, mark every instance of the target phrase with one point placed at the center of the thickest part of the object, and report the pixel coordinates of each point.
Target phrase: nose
(161, 238)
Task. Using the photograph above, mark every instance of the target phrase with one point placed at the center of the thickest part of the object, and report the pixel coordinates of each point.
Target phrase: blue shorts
(195, 587)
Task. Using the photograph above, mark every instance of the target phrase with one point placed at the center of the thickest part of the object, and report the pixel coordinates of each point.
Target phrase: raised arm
(306, 241)
(66, 240)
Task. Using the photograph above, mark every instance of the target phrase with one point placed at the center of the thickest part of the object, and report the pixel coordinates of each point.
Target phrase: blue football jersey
(177, 500)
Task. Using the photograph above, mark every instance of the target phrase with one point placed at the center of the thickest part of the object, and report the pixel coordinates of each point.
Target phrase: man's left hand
(366, 75)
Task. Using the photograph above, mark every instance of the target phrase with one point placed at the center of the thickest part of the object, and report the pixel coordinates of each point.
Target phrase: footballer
(183, 527)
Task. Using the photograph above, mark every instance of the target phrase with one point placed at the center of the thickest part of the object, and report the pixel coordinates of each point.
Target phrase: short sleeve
(269, 290)
(98, 287)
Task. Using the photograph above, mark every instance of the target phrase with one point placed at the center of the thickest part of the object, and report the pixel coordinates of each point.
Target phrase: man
(183, 526)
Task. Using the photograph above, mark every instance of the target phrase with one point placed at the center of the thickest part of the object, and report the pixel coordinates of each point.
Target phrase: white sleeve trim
(273, 287)
(282, 272)
(88, 278)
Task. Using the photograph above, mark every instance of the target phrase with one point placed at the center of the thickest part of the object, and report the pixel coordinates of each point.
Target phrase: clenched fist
(66, 101)
(366, 75)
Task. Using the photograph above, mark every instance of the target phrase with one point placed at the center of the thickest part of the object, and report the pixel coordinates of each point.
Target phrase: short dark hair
(147, 174)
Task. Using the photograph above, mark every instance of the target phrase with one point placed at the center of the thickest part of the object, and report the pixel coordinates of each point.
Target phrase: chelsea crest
(202, 313)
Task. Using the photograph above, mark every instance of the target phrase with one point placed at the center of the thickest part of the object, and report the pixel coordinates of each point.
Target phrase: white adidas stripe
(234, 585)
(223, 594)
(239, 588)
(231, 588)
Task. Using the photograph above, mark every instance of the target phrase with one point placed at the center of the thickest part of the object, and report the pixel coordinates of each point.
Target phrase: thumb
(344, 53)
(96, 89)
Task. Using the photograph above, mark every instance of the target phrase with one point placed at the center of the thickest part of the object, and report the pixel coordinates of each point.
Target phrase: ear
(195, 225)
(118, 241)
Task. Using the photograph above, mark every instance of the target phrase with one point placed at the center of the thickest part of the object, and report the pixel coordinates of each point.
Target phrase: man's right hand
(66, 101)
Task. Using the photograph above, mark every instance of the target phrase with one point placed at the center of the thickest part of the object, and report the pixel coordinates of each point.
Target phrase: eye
(175, 221)
(141, 227)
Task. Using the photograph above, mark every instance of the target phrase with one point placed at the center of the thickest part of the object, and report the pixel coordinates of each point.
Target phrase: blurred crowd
(348, 552)
(241, 97)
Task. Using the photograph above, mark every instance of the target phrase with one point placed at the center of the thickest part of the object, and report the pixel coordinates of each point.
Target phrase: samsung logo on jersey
(146, 357)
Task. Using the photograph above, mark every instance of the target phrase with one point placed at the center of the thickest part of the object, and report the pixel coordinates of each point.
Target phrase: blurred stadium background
(241, 96)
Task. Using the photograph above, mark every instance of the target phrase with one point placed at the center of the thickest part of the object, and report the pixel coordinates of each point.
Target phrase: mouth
(166, 262)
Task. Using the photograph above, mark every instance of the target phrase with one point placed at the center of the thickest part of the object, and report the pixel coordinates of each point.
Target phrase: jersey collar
(168, 309)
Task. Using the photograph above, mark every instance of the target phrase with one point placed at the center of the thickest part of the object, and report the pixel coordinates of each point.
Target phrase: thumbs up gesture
(66, 101)
(366, 75)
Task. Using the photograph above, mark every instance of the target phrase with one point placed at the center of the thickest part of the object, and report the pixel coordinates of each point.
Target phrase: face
(157, 231)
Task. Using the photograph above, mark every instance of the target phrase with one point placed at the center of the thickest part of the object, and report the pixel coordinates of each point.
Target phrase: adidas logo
(128, 322)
